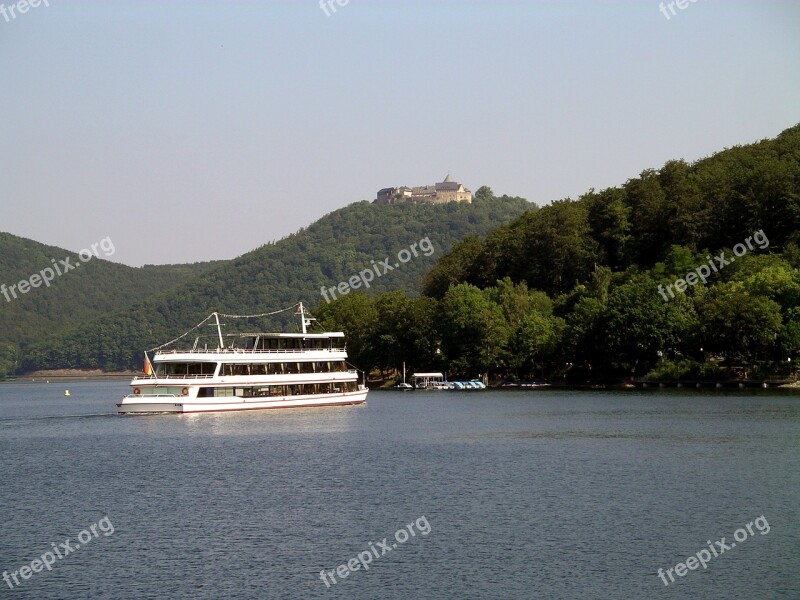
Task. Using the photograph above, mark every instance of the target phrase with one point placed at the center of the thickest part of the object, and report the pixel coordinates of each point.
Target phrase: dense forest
(97, 287)
(691, 271)
(83, 324)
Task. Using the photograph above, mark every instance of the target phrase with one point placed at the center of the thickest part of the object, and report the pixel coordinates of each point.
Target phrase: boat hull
(144, 405)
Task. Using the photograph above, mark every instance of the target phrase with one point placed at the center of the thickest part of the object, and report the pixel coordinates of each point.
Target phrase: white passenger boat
(247, 371)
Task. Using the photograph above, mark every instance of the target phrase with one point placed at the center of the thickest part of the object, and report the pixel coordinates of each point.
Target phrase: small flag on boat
(148, 368)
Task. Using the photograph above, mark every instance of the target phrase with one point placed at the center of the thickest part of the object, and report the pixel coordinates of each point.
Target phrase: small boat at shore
(472, 384)
(247, 371)
(403, 386)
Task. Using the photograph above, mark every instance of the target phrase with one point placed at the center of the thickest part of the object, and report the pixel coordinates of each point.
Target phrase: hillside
(77, 295)
(713, 203)
(687, 271)
(331, 250)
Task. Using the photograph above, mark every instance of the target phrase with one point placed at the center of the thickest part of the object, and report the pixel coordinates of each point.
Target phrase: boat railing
(245, 351)
(161, 378)
(150, 377)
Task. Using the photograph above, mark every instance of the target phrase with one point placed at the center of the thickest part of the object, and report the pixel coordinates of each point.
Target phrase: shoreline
(69, 375)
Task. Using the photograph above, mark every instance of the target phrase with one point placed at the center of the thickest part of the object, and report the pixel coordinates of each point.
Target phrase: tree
(608, 220)
(484, 193)
(737, 325)
(407, 331)
(454, 267)
(9, 355)
(357, 316)
(534, 343)
(552, 249)
(474, 331)
(637, 324)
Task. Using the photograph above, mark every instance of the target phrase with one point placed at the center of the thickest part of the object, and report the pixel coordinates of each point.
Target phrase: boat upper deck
(253, 346)
(237, 344)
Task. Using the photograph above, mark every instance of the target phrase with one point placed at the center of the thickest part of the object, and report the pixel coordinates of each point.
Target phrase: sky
(192, 131)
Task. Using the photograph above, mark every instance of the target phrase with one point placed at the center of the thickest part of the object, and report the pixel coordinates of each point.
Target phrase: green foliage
(602, 259)
(714, 203)
(568, 291)
(97, 287)
(9, 355)
(386, 331)
(504, 329)
(357, 316)
(551, 249)
(668, 370)
(736, 324)
(453, 267)
(484, 193)
(474, 330)
(333, 249)
(637, 324)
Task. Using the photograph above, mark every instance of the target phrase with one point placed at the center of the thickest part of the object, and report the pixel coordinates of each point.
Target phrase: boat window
(235, 370)
(184, 369)
(268, 344)
(304, 389)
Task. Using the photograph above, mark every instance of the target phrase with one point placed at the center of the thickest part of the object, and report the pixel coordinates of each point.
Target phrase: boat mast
(219, 332)
(302, 312)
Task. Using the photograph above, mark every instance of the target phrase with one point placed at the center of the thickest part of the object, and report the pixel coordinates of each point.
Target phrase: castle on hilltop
(438, 193)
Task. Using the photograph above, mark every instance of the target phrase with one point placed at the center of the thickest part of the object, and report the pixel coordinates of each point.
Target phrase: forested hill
(712, 203)
(689, 271)
(331, 250)
(79, 294)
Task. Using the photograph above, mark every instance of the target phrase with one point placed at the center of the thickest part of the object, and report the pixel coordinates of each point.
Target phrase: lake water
(518, 494)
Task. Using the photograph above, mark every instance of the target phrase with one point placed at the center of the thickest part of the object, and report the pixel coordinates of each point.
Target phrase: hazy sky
(190, 131)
